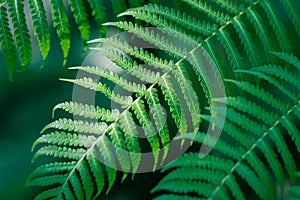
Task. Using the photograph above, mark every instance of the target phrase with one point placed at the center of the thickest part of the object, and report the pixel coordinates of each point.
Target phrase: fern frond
(77, 126)
(234, 57)
(47, 180)
(40, 26)
(130, 66)
(7, 42)
(113, 137)
(21, 32)
(161, 16)
(188, 94)
(128, 125)
(278, 27)
(61, 24)
(81, 18)
(261, 93)
(174, 103)
(280, 72)
(288, 58)
(217, 16)
(258, 130)
(149, 130)
(119, 142)
(88, 111)
(159, 119)
(140, 53)
(59, 152)
(247, 41)
(150, 36)
(273, 81)
(115, 78)
(65, 139)
(94, 85)
(98, 11)
(51, 168)
(293, 13)
(230, 6)
(260, 30)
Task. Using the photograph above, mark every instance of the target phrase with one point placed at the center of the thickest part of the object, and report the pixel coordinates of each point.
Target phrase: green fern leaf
(217, 16)
(77, 126)
(150, 36)
(40, 26)
(7, 43)
(115, 78)
(278, 27)
(260, 30)
(107, 155)
(293, 13)
(66, 139)
(51, 168)
(159, 120)
(59, 152)
(21, 32)
(61, 24)
(87, 182)
(158, 14)
(47, 194)
(81, 18)
(288, 58)
(97, 172)
(119, 142)
(174, 103)
(130, 66)
(230, 6)
(254, 128)
(232, 53)
(128, 125)
(98, 11)
(247, 41)
(47, 180)
(141, 113)
(88, 111)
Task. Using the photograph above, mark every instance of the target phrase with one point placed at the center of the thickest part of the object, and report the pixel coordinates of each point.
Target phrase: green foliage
(259, 143)
(20, 39)
(21, 34)
(237, 40)
(7, 42)
(40, 26)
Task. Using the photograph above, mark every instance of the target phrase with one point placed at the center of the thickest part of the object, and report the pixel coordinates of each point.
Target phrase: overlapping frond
(259, 152)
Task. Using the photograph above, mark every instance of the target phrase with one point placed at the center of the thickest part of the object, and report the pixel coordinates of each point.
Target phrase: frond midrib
(252, 149)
